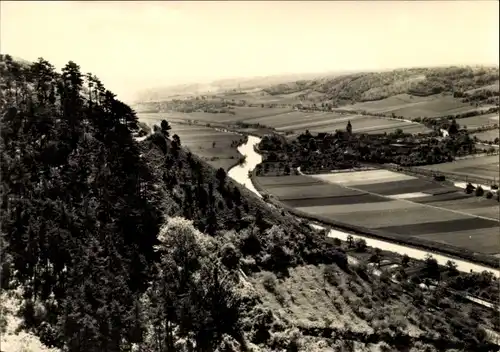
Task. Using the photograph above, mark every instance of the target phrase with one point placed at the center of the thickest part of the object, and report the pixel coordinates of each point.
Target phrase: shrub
(469, 188)
(494, 186)
(489, 194)
(230, 256)
(360, 245)
(479, 191)
(269, 281)
(330, 275)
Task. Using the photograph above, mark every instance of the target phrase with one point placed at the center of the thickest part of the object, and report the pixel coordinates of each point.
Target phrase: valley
(288, 257)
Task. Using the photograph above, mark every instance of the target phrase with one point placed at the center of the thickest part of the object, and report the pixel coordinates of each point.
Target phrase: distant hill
(344, 88)
(370, 86)
(218, 86)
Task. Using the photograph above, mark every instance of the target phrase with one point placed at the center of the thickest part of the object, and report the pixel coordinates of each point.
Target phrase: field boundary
(419, 243)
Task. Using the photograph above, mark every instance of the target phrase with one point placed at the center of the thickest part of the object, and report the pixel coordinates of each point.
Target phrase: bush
(230, 256)
(269, 281)
(469, 188)
(494, 186)
(360, 245)
(330, 275)
(479, 191)
(489, 194)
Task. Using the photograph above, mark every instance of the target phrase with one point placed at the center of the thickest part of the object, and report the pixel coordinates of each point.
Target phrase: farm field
(330, 121)
(486, 167)
(155, 118)
(479, 121)
(488, 135)
(399, 204)
(287, 120)
(216, 147)
(247, 114)
(413, 106)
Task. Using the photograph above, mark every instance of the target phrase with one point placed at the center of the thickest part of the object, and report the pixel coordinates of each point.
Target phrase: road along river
(241, 174)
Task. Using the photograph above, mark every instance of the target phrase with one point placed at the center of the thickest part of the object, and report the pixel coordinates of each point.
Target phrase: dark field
(404, 186)
(419, 208)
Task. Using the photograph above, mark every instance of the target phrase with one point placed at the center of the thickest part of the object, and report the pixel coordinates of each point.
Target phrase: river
(240, 174)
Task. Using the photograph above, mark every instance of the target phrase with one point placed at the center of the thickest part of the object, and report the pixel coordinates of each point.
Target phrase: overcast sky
(137, 45)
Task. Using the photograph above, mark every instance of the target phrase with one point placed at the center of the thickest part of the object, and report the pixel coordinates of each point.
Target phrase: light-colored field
(217, 148)
(443, 105)
(385, 105)
(372, 125)
(479, 121)
(485, 166)
(331, 121)
(413, 106)
(314, 122)
(247, 114)
(488, 135)
(408, 195)
(363, 177)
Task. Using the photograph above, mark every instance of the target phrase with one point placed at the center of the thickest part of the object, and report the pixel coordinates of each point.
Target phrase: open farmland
(479, 121)
(412, 106)
(218, 148)
(402, 205)
(246, 114)
(241, 114)
(486, 167)
(330, 121)
(488, 135)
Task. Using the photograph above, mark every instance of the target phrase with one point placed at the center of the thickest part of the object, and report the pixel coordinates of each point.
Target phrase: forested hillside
(82, 209)
(371, 86)
(117, 245)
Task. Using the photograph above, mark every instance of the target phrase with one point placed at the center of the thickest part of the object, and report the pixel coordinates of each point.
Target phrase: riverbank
(413, 247)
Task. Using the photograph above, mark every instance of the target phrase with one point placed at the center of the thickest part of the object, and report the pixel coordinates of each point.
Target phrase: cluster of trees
(344, 150)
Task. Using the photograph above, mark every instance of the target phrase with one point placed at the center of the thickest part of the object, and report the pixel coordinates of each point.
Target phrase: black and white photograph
(249, 176)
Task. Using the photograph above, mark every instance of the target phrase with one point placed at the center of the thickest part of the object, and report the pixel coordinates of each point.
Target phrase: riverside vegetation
(119, 245)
